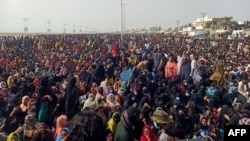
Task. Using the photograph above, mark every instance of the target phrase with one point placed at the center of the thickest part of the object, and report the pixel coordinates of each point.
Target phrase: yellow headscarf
(112, 124)
(57, 44)
(9, 138)
(110, 81)
(9, 80)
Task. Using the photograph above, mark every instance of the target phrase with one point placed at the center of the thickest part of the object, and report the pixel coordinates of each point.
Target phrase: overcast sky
(105, 15)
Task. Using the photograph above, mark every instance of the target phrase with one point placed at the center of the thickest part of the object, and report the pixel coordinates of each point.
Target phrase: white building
(201, 23)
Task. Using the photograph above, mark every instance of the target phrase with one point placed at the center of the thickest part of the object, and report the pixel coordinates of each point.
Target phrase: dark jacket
(48, 136)
(72, 98)
(122, 133)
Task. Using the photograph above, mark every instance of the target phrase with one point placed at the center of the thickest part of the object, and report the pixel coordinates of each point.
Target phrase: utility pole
(122, 19)
(73, 28)
(25, 25)
(49, 30)
(64, 29)
(124, 26)
(177, 24)
(80, 29)
(203, 15)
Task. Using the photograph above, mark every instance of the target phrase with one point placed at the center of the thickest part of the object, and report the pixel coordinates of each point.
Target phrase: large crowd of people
(145, 87)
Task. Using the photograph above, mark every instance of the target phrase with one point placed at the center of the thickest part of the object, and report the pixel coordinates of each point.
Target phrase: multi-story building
(208, 22)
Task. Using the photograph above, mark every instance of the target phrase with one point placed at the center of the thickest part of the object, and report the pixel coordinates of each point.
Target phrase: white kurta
(242, 89)
(196, 75)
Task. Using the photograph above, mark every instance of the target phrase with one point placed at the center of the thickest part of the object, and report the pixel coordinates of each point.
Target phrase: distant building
(187, 29)
(201, 23)
(154, 29)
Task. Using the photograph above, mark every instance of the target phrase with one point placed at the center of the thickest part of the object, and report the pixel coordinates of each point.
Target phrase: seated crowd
(88, 88)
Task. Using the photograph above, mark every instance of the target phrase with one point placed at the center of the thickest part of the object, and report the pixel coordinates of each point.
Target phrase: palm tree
(226, 21)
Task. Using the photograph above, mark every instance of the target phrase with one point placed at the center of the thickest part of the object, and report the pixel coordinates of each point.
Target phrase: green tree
(226, 20)
(208, 25)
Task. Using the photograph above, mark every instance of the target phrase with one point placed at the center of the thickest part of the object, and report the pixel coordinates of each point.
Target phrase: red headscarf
(36, 82)
(152, 135)
(61, 122)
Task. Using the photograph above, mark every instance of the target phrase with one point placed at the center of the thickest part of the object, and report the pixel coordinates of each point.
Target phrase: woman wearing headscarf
(116, 86)
(170, 68)
(72, 98)
(36, 81)
(29, 127)
(218, 70)
(63, 134)
(3, 98)
(77, 81)
(61, 122)
(100, 93)
(10, 81)
(122, 89)
(99, 101)
(111, 101)
(43, 134)
(94, 88)
(61, 98)
(148, 134)
(113, 121)
(98, 74)
(145, 114)
(44, 100)
(13, 137)
(90, 102)
(21, 111)
(3, 85)
(110, 89)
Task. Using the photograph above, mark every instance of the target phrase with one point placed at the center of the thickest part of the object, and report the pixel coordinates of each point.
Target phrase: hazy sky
(105, 15)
